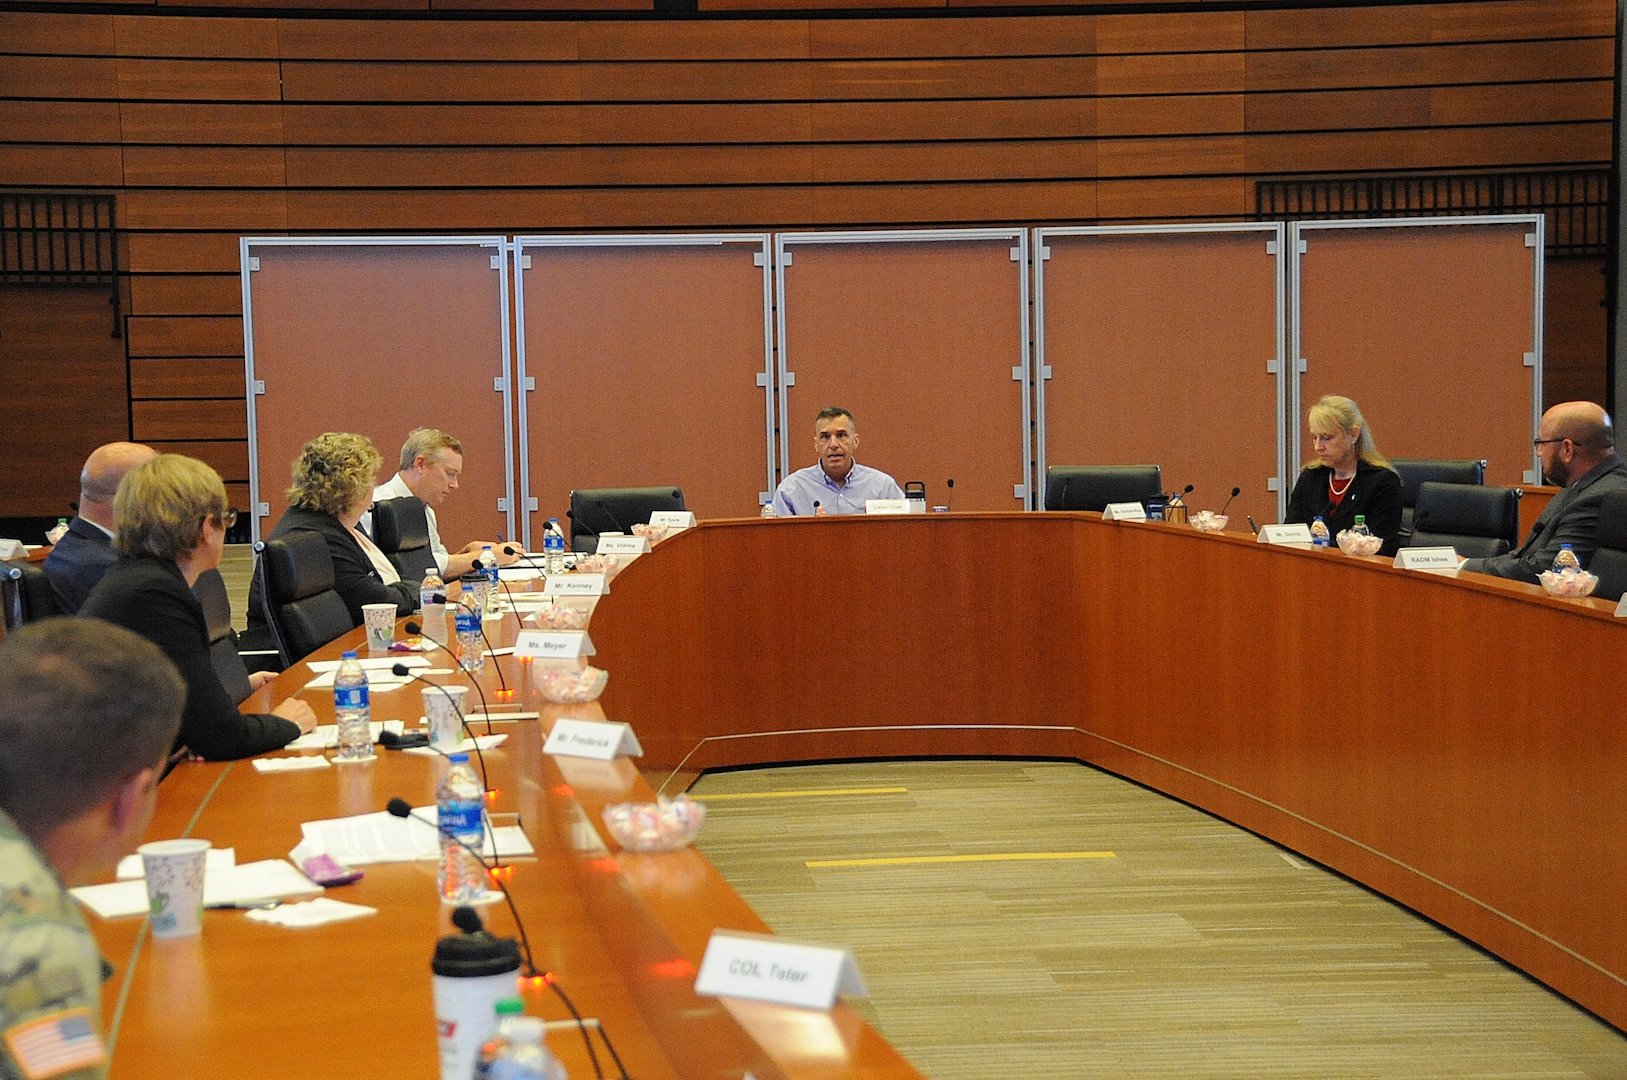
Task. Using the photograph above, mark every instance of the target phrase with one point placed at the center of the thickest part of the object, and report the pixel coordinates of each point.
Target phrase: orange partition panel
(1428, 328)
(379, 339)
(919, 338)
(1160, 346)
(650, 363)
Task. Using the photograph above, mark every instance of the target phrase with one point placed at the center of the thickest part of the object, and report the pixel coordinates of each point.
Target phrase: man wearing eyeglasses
(1576, 443)
(85, 551)
(838, 484)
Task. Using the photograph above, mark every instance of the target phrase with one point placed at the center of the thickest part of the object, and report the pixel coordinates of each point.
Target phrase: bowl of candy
(653, 533)
(608, 565)
(565, 613)
(565, 686)
(1355, 544)
(1209, 521)
(664, 825)
(1568, 583)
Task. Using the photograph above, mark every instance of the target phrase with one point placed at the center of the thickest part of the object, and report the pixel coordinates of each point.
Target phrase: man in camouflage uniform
(87, 715)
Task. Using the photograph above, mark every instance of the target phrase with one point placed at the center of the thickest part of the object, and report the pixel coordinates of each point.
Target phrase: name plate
(576, 585)
(1284, 534)
(676, 520)
(886, 506)
(1621, 607)
(623, 545)
(766, 968)
(1125, 511)
(553, 644)
(1427, 558)
(596, 739)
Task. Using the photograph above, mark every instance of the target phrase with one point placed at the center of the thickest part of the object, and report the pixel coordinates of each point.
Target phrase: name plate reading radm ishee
(1426, 558)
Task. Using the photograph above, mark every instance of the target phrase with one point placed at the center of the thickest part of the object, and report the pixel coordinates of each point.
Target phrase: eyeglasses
(227, 517)
(1541, 442)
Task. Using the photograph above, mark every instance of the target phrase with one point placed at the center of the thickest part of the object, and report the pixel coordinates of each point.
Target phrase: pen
(246, 905)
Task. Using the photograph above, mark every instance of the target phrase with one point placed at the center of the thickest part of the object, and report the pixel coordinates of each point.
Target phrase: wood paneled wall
(210, 128)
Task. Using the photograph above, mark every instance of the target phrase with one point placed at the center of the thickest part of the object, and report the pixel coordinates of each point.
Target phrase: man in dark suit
(1576, 443)
(85, 551)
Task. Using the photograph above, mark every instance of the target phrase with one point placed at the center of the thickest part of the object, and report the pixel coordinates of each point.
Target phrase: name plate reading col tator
(553, 644)
(597, 739)
(886, 506)
(623, 545)
(576, 585)
(770, 969)
(1426, 558)
(1284, 534)
(674, 520)
(1125, 511)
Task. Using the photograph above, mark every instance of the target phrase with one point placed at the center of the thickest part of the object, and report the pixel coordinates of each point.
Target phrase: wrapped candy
(664, 825)
(563, 686)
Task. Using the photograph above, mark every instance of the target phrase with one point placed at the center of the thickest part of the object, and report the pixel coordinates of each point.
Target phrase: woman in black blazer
(171, 519)
(1348, 477)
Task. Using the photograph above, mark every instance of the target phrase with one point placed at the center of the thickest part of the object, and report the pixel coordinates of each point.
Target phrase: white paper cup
(443, 708)
(174, 871)
(380, 620)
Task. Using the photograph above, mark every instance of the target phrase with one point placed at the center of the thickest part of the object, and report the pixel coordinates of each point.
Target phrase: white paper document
(370, 664)
(326, 736)
(262, 880)
(381, 838)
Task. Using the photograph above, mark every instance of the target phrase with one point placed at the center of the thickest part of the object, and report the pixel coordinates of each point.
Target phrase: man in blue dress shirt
(838, 484)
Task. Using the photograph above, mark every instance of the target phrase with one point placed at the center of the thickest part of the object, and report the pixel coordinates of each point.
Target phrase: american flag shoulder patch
(55, 1044)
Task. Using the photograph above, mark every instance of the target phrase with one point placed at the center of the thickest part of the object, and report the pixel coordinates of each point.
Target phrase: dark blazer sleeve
(77, 563)
(357, 582)
(1382, 504)
(1575, 523)
(153, 601)
(1299, 500)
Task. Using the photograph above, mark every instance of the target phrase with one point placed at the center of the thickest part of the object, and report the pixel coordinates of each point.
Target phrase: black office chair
(210, 589)
(25, 594)
(1610, 560)
(401, 531)
(1092, 487)
(297, 595)
(1475, 521)
(601, 510)
(1415, 472)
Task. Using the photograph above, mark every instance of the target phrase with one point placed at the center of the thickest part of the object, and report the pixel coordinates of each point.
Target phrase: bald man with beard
(84, 553)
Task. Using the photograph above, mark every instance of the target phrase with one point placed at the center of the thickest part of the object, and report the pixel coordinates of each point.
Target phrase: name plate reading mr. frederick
(597, 739)
(1284, 534)
(1426, 558)
(674, 520)
(575, 585)
(1125, 511)
(886, 506)
(766, 968)
(553, 644)
(624, 545)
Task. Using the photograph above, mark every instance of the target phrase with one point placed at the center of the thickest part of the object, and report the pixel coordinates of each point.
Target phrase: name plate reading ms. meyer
(623, 545)
(575, 585)
(886, 506)
(675, 520)
(1284, 534)
(1125, 511)
(596, 739)
(765, 968)
(1426, 558)
(553, 644)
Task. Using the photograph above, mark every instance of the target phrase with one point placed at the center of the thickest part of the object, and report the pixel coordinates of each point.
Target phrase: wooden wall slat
(704, 41)
(26, 78)
(1425, 106)
(347, 39)
(59, 121)
(68, 166)
(1036, 35)
(194, 378)
(187, 294)
(1515, 146)
(178, 421)
(1174, 199)
(185, 335)
(1171, 73)
(1201, 156)
(181, 252)
(230, 38)
(1335, 69)
(201, 123)
(200, 80)
(60, 34)
(204, 166)
(1175, 32)
(229, 459)
(183, 209)
(1171, 115)
(1428, 23)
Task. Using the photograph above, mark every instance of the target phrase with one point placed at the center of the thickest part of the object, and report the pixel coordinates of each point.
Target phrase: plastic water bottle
(1360, 528)
(1566, 560)
(471, 645)
(432, 591)
(1319, 533)
(553, 548)
(352, 710)
(515, 1050)
(488, 566)
(460, 807)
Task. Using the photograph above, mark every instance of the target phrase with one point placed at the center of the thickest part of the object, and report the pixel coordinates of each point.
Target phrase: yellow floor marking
(806, 794)
(1014, 856)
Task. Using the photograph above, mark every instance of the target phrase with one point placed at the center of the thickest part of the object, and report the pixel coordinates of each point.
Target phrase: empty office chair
(25, 594)
(1415, 472)
(1610, 560)
(1477, 522)
(401, 531)
(601, 510)
(1092, 487)
(210, 589)
(300, 604)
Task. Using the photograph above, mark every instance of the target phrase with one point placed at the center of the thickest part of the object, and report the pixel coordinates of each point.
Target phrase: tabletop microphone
(413, 628)
(1253, 528)
(1236, 491)
(1062, 499)
(401, 670)
(949, 499)
(816, 507)
(604, 508)
(1175, 500)
(467, 919)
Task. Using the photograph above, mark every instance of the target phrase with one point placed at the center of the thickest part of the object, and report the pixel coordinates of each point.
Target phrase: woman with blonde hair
(171, 516)
(1348, 477)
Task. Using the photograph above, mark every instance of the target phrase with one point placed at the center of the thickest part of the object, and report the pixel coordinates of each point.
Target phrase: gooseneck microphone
(1175, 500)
(1236, 491)
(403, 671)
(412, 627)
(604, 508)
(949, 499)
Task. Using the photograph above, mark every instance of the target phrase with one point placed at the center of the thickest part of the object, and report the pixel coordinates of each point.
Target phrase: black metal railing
(60, 239)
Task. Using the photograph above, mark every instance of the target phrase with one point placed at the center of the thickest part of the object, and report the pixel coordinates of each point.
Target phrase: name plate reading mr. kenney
(1284, 534)
(1426, 558)
(766, 968)
(1124, 511)
(553, 644)
(624, 545)
(595, 739)
(575, 585)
